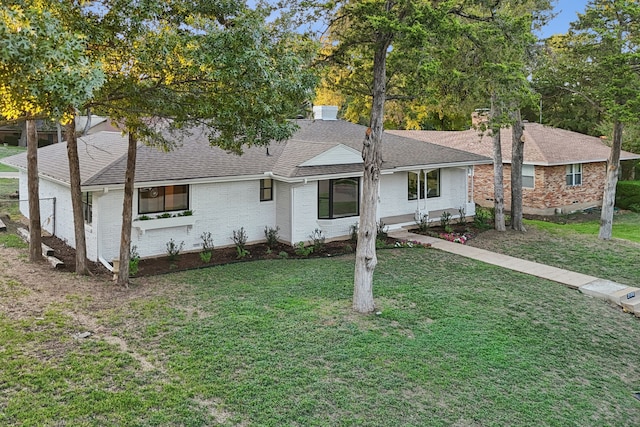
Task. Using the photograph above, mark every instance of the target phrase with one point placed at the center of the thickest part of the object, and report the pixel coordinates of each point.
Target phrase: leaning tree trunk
(366, 258)
(127, 212)
(82, 266)
(517, 156)
(609, 198)
(498, 175)
(35, 230)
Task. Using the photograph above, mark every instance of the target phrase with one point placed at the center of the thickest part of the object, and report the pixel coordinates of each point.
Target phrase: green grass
(625, 226)
(6, 152)
(8, 206)
(275, 343)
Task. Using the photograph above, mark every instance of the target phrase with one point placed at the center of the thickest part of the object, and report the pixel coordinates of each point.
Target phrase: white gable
(338, 155)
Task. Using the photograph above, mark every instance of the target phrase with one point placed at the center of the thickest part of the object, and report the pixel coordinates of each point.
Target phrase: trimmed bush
(628, 195)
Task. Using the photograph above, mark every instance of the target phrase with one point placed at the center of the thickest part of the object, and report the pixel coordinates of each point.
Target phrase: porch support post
(426, 191)
(418, 195)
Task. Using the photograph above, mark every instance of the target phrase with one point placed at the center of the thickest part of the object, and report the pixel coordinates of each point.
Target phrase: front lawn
(625, 226)
(275, 343)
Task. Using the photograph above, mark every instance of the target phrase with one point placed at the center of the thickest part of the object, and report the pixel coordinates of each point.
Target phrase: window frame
(532, 176)
(87, 207)
(330, 198)
(263, 189)
(425, 189)
(164, 202)
(572, 172)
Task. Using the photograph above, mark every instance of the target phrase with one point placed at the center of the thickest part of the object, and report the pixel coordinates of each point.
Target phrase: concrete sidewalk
(9, 175)
(616, 293)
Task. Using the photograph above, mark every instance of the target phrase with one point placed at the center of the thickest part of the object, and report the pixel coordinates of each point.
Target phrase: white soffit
(338, 155)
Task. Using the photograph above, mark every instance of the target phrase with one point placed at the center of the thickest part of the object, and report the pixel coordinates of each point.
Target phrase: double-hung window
(431, 189)
(338, 198)
(163, 199)
(528, 176)
(266, 189)
(574, 174)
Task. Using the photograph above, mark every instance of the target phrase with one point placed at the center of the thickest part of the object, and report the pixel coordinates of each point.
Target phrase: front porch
(410, 220)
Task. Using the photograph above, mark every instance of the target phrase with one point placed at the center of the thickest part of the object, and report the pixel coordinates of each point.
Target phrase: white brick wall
(283, 209)
(393, 193)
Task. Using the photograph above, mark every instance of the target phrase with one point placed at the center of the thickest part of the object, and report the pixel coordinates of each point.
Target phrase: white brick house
(310, 181)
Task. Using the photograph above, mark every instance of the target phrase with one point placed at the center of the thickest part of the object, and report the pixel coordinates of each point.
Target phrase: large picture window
(266, 190)
(574, 174)
(163, 199)
(338, 198)
(431, 189)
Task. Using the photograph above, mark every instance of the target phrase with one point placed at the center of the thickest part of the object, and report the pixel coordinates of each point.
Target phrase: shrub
(445, 220)
(381, 230)
(240, 238)
(463, 215)
(317, 240)
(302, 250)
(207, 247)
(205, 256)
(482, 217)
(628, 195)
(173, 250)
(423, 223)
(134, 260)
(353, 232)
(348, 248)
(283, 255)
(271, 235)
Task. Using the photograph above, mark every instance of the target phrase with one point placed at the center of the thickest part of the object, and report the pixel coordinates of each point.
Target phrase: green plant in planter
(186, 213)
(143, 218)
(164, 215)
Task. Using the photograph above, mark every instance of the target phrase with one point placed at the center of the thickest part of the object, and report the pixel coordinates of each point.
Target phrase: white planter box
(154, 224)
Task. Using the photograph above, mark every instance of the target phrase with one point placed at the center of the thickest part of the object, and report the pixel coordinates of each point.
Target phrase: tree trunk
(517, 156)
(35, 230)
(366, 258)
(127, 211)
(609, 198)
(82, 267)
(498, 175)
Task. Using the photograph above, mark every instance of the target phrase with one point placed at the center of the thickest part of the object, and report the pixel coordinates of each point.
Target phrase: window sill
(158, 223)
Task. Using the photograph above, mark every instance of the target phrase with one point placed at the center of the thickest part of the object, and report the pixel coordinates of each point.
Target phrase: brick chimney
(325, 112)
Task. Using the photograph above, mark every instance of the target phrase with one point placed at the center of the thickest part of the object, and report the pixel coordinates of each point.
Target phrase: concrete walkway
(622, 295)
(9, 175)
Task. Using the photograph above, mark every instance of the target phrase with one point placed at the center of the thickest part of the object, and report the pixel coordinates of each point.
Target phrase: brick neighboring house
(563, 171)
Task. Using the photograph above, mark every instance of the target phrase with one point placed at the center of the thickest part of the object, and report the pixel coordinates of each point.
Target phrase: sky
(566, 11)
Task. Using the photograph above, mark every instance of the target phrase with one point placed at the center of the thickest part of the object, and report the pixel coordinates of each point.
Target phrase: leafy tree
(216, 65)
(43, 72)
(597, 61)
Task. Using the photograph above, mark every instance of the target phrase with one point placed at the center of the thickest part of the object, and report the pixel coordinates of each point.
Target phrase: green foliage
(207, 247)
(423, 223)
(301, 250)
(462, 218)
(317, 240)
(628, 195)
(483, 217)
(381, 230)
(240, 238)
(44, 65)
(445, 221)
(271, 236)
(353, 232)
(134, 260)
(173, 250)
(164, 215)
(283, 255)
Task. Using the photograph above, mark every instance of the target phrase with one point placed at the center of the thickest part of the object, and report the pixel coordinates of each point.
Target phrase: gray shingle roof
(543, 145)
(103, 156)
